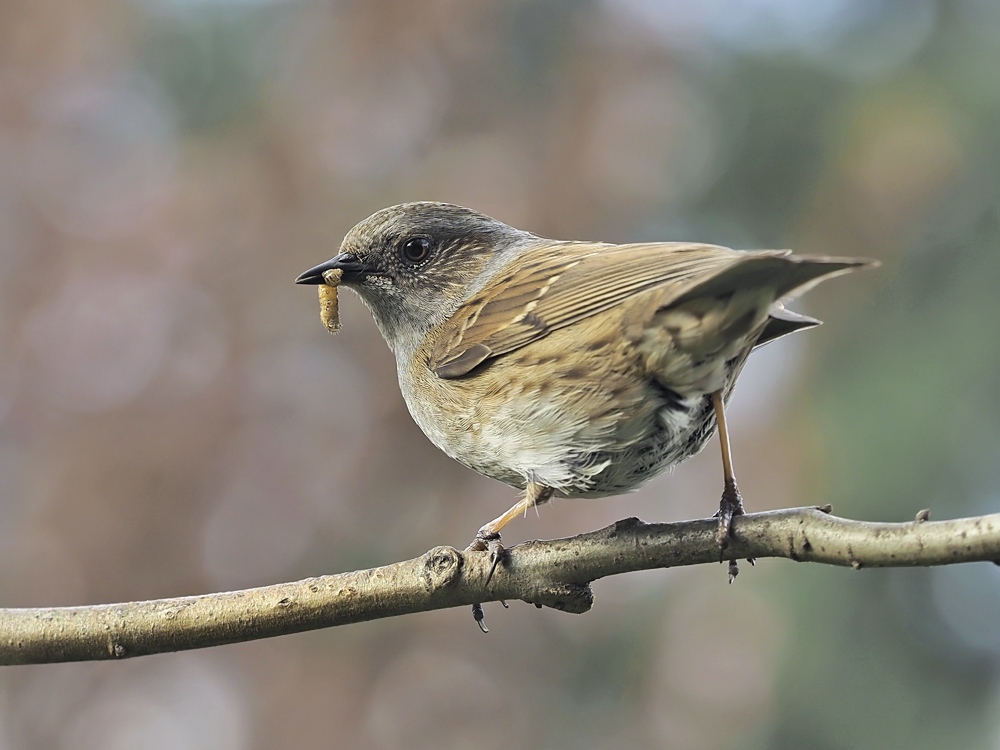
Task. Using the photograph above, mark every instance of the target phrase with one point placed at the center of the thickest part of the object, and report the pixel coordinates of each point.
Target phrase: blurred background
(174, 419)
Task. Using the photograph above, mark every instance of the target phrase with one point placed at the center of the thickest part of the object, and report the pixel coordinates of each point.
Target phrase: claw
(479, 616)
(734, 570)
(487, 542)
(497, 553)
(730, 506)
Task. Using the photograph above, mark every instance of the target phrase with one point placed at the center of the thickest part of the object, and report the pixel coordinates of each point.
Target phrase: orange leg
(727, 456)
(534, 494)
(488, 536)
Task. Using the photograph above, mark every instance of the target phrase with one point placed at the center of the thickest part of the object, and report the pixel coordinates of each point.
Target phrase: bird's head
(415, 263)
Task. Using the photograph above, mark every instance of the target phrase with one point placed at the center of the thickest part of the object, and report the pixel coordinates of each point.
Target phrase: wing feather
(558, 284)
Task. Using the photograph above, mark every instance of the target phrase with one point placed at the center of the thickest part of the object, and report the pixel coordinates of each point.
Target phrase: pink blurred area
(175, 420)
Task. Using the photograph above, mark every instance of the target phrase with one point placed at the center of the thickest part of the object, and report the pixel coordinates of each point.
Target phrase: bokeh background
(175, 420)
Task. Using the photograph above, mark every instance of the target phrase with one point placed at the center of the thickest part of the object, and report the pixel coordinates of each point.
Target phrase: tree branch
(546, 573)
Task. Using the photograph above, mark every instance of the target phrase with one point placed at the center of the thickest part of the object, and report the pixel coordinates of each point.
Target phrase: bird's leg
(732, 502)
(488, 537)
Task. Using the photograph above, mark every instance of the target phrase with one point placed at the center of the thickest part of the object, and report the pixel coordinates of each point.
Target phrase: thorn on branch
(625, 525)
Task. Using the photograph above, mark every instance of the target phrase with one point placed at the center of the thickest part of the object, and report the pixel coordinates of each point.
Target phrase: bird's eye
(416, 249)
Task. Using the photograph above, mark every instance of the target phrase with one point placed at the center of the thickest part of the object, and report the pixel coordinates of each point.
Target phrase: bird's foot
(730, 506)
(487, 541)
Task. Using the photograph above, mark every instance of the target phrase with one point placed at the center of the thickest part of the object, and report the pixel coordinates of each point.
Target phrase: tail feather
(697, 342)
(788, 275)
(781, 322)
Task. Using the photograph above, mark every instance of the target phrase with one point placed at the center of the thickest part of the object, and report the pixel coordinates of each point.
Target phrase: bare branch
(547, 573)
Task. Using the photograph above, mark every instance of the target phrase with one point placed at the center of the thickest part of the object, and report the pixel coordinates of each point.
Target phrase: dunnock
(575, 369)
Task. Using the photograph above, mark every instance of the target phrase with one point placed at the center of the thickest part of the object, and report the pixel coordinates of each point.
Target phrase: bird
(567, 368)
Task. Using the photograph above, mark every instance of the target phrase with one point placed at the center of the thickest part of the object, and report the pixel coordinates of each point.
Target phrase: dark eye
(416, 249)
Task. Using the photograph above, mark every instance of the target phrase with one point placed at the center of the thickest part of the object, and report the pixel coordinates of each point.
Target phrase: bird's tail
(701, 337)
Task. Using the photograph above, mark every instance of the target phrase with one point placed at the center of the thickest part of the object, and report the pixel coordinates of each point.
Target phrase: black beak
(354, 270)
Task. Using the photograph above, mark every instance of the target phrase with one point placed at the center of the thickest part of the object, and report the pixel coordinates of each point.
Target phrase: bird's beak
(354, 270)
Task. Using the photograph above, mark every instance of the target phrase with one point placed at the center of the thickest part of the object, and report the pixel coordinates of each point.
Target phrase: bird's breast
(585, 420)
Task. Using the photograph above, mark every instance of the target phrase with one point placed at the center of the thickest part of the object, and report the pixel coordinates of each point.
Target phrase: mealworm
(329, 311)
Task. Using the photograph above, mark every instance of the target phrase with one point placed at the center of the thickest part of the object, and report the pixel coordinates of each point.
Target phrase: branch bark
(554, 573)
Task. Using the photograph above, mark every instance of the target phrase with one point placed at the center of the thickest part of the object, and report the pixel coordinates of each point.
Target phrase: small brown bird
(575, 369)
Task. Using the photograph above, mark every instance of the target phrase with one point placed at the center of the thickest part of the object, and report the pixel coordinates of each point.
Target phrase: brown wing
(557, 284)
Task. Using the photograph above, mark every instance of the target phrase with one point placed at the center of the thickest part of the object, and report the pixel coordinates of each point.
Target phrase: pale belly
(585, 410)
(582, 438)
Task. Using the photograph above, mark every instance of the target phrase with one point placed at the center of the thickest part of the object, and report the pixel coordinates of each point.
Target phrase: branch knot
(441, 567)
